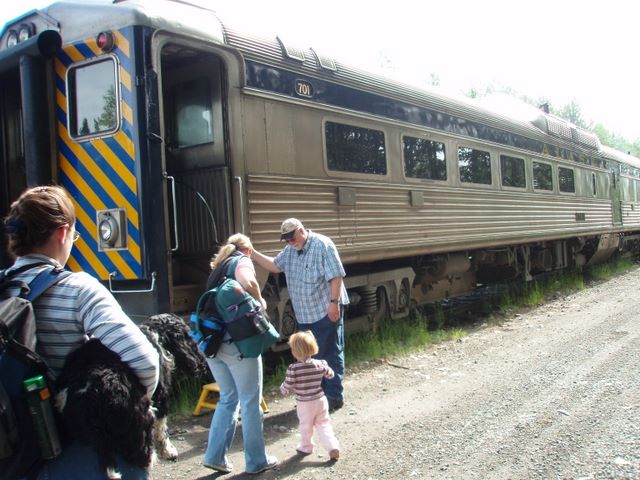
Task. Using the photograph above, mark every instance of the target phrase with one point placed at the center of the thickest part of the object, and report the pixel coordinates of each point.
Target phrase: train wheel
(382, 309)
(288, 324)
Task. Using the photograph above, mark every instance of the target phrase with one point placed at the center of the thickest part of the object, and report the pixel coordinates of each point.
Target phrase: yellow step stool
(209, 398)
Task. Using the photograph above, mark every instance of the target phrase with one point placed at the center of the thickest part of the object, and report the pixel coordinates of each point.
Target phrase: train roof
(197, 20)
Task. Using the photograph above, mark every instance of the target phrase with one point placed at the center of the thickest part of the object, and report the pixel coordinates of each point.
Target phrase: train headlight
(108, 230)
(25, 31)
(12, 38)
(112, 229)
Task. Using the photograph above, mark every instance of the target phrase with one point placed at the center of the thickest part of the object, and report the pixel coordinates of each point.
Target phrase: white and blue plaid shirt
(308, 273)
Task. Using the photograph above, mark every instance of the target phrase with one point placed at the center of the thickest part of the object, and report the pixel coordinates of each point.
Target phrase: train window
(355, 149)
(566, 182)
(93, 98)
(594, 184)
(424, 159)
(474, 165)
(512, 170)
(542, 176)
(193, 116)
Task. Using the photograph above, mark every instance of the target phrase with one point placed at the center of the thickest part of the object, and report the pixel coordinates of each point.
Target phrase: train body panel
(382, 222)
(172, 129)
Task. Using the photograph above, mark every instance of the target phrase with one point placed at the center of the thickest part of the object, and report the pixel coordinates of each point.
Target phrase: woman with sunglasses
(41, 231)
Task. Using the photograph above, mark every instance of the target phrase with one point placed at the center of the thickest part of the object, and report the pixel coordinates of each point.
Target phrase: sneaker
(302, 452)
(222, 468)
(335, 404)
(271, 463)
(334, 454)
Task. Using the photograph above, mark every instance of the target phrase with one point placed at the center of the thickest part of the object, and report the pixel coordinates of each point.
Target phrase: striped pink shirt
(304, 378)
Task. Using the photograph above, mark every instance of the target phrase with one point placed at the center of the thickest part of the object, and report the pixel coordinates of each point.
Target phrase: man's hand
(334, 312)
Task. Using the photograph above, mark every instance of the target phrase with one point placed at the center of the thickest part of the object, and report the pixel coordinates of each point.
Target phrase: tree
(84, 130)
(107, 119)
(573, 113)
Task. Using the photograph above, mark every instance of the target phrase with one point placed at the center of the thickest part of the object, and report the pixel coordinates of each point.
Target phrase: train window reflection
(566, 182)
(542, 176)
(93, 98)
(355, 149)
(474, 165)
(512, 170)
(194, 118)
(424, 159)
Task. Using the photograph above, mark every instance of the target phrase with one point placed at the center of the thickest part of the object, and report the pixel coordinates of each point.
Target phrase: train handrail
(149, 290)
(175, 211)
(239, 180)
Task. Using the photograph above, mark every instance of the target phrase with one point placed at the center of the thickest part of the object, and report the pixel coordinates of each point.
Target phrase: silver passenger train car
(172, 129)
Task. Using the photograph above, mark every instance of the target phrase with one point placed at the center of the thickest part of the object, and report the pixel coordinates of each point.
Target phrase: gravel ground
(550, 394)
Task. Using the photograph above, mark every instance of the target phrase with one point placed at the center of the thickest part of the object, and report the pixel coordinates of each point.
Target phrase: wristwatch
(335, 300)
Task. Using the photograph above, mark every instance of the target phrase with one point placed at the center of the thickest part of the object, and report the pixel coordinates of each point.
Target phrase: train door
(26, 119)
(198, 203)
(12, 168)
(616, 203)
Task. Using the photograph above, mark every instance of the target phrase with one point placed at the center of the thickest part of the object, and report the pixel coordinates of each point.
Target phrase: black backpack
(19, 448)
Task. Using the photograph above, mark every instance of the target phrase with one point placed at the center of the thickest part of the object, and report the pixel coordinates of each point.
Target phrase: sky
(561, 50)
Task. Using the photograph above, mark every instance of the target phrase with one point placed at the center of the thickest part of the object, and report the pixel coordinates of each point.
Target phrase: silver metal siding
(385, 224)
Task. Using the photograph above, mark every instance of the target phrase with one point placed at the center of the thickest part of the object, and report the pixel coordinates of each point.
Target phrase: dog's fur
(170, 336)
(104, 405)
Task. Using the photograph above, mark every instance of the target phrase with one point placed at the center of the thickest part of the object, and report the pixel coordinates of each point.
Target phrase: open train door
(27, 155)
(198, 178)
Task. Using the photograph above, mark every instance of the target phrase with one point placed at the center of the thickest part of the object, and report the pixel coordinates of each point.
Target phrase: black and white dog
(104, 405)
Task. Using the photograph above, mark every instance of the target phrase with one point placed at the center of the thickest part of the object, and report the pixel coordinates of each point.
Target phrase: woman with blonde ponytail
(239, 378)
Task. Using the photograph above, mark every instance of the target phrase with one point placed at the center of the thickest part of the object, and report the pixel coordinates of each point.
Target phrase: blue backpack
(229, 307)
(20, 453)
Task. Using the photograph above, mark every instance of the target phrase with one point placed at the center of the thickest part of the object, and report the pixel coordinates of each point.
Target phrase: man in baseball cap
(289, 227)
(314, 272)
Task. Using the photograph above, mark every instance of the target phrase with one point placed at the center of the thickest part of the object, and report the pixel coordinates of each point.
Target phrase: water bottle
(41, 411)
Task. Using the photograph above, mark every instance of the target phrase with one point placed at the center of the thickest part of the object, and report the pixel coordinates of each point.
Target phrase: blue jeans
(80, 462)
(240, 382)
(330, 338)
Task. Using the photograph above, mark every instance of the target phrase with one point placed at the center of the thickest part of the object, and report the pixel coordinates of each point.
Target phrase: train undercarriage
(392, 289)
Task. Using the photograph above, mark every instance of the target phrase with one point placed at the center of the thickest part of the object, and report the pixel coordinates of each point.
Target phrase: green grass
(184, 394)
(398, 337)
(608, 270)
(538, 291)
(274, 378)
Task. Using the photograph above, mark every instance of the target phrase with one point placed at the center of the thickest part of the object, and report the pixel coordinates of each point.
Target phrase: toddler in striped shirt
(304, 378)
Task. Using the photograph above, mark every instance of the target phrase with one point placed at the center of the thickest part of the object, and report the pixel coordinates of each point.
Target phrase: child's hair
(303, 345)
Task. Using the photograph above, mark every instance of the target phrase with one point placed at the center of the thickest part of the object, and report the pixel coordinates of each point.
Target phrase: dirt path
(551, 394)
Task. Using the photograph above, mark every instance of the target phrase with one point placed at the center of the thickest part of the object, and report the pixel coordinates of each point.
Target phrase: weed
(185, 392)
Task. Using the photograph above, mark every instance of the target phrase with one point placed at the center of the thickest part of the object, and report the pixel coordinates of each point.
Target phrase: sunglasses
(292, 239)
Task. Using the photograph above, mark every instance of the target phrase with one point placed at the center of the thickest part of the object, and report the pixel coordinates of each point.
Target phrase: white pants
(314, 414)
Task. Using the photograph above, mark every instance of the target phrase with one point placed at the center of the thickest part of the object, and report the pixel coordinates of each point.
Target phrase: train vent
(291, 52)
(325, 62)
(588, 139)
(559, 128)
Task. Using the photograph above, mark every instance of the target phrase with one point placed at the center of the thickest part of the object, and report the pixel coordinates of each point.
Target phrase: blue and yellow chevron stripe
(101, 173)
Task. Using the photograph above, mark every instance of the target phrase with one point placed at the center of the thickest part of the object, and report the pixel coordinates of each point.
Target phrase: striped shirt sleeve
(79, 307)
(104, 319)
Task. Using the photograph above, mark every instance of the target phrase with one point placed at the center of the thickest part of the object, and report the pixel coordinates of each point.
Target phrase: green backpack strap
(231, 268)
